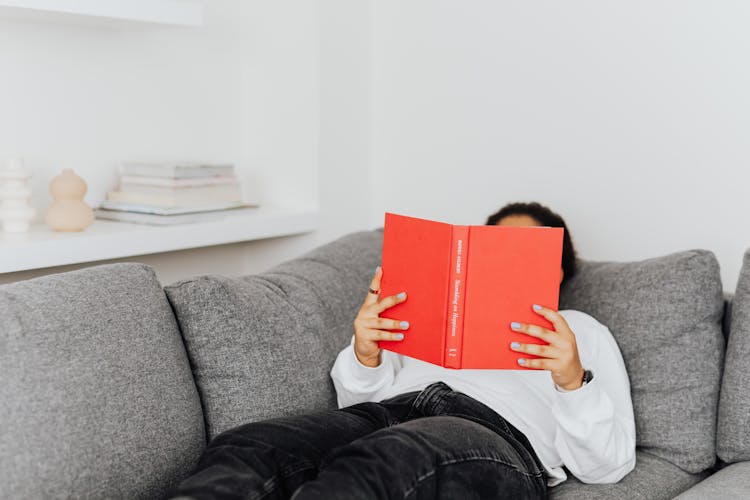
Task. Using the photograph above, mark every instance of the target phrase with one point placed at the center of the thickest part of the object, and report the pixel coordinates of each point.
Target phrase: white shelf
(42, 247)
(165, 12)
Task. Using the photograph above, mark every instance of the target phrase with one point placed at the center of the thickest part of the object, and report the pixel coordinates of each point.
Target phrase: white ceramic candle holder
(16, 211)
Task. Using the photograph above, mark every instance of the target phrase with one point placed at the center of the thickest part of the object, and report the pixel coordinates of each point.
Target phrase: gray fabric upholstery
(665, 314)
(652, 479)
(726, 320)
(730, 483)
(733, 438)
(97, 395)
(262, 346)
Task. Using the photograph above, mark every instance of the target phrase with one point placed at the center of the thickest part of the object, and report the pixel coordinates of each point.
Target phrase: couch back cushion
(733, 436)
(97, 396)
(665, 314)
(262, 346)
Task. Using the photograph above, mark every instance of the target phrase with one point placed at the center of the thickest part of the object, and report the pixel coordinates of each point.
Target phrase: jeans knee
(426, 458)
(481, 477)
(454, 435)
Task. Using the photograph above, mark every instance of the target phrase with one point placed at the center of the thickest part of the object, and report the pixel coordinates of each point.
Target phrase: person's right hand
(369, 327)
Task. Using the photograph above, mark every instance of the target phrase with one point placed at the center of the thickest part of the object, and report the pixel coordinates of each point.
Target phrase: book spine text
(456, 287)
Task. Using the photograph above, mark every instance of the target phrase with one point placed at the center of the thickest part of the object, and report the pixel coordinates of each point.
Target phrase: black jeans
(432, 444)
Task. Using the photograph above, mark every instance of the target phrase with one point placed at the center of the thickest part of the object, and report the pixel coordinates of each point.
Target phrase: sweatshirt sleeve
(595, 433)
(357, 383)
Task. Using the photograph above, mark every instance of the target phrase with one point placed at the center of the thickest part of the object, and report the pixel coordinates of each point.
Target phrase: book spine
(456, 286)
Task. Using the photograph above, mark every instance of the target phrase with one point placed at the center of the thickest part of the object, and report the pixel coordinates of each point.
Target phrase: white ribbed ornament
(16, 211)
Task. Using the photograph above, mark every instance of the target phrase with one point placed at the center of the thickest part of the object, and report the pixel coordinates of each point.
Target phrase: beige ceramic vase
(68, 212)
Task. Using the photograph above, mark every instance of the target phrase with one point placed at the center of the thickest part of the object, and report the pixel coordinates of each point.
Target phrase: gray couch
(112, 384)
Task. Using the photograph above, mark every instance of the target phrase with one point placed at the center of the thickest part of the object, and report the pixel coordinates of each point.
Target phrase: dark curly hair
(545, 217)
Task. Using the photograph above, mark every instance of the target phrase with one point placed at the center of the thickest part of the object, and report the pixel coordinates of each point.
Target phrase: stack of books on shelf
(174, 193)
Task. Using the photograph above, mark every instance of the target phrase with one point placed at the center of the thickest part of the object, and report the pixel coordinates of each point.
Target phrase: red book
(465, 285)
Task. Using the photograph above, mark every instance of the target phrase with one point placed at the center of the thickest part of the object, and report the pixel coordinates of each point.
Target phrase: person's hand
(559, 357)
(369, 327)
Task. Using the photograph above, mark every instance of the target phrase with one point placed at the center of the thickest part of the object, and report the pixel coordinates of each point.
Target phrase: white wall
(632, 119)
(345, 82)
(245, 89)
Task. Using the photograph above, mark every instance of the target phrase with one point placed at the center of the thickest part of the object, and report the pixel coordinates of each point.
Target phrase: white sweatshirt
(590, 430)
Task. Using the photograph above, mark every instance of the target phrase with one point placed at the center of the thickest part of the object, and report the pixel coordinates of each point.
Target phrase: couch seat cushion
(262, 346)
(730, 483)
(733, 438)
(97, 396)
(652, 479)
(665, 314)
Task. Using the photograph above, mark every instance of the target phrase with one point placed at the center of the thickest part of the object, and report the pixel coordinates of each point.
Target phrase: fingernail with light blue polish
(404, 324)
(537, 307)
(515, 325)
(521, 361)
(515, 345)
(399, 336)
(401, 296)
(377, 269)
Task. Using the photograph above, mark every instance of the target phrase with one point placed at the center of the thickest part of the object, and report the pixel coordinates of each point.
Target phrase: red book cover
(465, 285)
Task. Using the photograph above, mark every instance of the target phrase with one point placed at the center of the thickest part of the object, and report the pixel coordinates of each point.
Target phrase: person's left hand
(560, 357)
